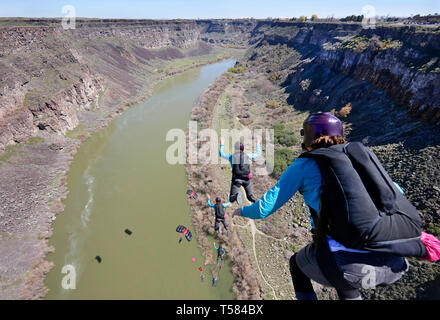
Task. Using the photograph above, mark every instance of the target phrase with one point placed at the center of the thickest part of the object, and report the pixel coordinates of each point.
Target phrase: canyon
(59, 86)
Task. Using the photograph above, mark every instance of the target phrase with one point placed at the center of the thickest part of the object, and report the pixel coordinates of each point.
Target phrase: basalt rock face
(403, 62)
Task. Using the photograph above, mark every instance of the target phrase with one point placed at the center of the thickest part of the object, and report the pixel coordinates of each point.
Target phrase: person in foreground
(363, 227)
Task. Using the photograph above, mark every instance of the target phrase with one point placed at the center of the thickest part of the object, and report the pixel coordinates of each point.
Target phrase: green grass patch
(34, 140)
(76, 133)
(283, 136)
(10, 151)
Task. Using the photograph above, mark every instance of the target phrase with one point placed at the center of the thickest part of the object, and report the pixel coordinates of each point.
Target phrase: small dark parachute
(185, 231)
(192, 194)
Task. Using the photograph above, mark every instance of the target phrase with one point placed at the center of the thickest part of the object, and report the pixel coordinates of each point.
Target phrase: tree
(302, 18)
(314, 17)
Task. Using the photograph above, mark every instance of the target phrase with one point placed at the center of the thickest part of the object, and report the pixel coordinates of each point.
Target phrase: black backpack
(219, 211)
(240, 166)
(365, 209)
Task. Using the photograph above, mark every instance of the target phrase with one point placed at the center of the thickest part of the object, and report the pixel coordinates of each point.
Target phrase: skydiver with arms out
(220, 215)
(220, 253)
(241, 173)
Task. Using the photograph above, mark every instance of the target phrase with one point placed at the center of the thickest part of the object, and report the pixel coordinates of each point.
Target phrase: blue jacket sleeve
(227, 204)
(223, 155)
(278, 195)
(209, 204)
(256, 154)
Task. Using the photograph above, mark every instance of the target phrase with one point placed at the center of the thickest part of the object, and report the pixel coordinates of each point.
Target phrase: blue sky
(188, 9)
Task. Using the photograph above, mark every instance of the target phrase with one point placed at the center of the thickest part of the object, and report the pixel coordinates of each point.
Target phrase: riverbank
(33, 183)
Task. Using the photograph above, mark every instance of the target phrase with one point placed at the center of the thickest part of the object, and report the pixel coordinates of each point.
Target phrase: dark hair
(323, 220)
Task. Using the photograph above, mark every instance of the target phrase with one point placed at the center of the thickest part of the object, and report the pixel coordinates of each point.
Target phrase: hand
(258, 140)
(209, 197)
(237, 212)
(222, 141)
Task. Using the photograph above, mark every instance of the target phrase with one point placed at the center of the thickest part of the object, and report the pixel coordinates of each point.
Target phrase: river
(118, 180)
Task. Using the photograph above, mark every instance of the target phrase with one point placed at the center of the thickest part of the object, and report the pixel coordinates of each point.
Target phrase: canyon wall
(48, 73)
(403, 62)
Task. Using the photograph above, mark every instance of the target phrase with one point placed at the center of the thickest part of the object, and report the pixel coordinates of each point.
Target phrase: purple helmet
(320, 124)
(239, 146)
(218, 200)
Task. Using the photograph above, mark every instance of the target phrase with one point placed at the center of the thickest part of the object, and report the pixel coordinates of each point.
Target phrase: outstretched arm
(256, 154)
(278, 195)
(221, 153)
(227, 204)
(258, 151)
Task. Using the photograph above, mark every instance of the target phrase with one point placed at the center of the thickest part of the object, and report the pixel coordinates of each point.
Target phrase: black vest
(365, 209)
(219, 211)
(240, 166)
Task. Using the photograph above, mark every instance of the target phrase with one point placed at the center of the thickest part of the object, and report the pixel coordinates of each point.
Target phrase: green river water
(119, 180)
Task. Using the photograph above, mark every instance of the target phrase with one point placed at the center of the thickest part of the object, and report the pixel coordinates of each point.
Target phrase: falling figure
(202, 277)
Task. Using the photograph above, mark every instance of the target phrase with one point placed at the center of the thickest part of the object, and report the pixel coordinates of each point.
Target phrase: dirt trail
(254, 230)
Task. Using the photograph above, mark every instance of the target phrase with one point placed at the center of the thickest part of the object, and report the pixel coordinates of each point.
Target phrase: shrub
(264, 86)
(238, 69)
(282, 159)
(283, 136)
(273, 76)
(272, 104)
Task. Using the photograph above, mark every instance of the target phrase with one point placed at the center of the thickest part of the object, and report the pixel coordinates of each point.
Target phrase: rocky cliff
(403, 62)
